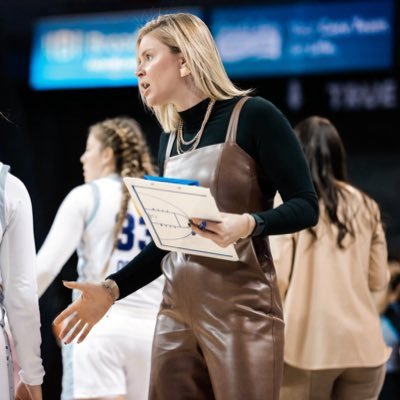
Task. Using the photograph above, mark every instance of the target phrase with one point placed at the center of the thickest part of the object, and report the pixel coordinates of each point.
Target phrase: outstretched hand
(232, 228)
(28, 392)
(85, 312)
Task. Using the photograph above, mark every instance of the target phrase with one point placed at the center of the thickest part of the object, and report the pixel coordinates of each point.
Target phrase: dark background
(47, 132)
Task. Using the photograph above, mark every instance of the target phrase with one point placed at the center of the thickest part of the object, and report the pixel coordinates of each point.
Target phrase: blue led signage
(88, 50)
(305, 38)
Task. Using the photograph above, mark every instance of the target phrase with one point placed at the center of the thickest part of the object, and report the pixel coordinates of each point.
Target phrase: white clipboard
(166, 209)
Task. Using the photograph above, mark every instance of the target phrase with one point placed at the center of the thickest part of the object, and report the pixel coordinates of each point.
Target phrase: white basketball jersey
(85, 221)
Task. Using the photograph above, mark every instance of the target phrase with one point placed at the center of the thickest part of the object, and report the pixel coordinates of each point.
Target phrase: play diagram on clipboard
(166, 208)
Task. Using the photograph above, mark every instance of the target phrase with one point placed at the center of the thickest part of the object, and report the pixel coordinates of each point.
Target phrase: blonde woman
(219, 331)
(99, 222)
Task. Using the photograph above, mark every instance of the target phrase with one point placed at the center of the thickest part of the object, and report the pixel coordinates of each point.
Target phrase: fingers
(74, 285)
(67, 330)
(22, 392)
(221, 241)
(204, 225)
(211, 230)
(65, 314)
(75, 332)
(223, 233)
(85, 332)
(204, 233)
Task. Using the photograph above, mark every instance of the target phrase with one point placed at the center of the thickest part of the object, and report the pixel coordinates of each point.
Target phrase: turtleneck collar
(193, 117)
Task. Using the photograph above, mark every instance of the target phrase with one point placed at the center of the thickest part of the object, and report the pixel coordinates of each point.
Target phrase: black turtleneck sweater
(266, 135)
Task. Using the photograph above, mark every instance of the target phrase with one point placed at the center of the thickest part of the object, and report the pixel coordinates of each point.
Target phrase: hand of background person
(56, 329)
(232, 228)
(84, 312)
(28, 392)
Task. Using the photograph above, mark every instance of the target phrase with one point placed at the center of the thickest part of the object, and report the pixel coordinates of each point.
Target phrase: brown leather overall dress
(219, 333)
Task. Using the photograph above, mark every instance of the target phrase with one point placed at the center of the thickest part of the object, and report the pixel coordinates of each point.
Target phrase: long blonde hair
(189, 35)
(132, 157)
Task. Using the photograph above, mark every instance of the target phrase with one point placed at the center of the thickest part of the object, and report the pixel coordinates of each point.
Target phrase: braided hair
(132, 158)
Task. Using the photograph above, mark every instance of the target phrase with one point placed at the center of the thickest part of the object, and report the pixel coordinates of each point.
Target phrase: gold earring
(184, 71)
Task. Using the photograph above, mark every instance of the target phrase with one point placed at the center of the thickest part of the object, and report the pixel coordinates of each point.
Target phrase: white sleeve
(63, 238)
(17, 265)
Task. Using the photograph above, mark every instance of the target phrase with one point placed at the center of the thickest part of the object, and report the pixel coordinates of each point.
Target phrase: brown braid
(132, 158)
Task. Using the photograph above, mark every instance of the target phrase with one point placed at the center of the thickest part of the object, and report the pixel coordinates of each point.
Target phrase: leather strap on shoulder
(233, 122)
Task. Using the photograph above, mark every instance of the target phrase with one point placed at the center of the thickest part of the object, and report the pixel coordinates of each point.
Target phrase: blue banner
(88, 50)
(305, 38)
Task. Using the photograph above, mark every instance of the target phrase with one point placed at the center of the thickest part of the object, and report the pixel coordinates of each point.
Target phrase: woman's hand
(28, 392)
(84, 312)
(232, 228)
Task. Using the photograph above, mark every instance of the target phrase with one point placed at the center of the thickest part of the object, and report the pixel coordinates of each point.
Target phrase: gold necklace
(196, 139)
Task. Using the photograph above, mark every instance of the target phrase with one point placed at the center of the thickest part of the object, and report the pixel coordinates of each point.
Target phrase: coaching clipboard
(166, 208)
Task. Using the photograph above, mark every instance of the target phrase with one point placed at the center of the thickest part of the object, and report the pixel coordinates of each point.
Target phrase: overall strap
(3, 174)
(233, 122)
(171, 140)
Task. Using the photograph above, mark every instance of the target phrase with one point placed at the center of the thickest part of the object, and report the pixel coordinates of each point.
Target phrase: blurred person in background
(18, 297)
(390, 321)
(334, 348)
(98, 221)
